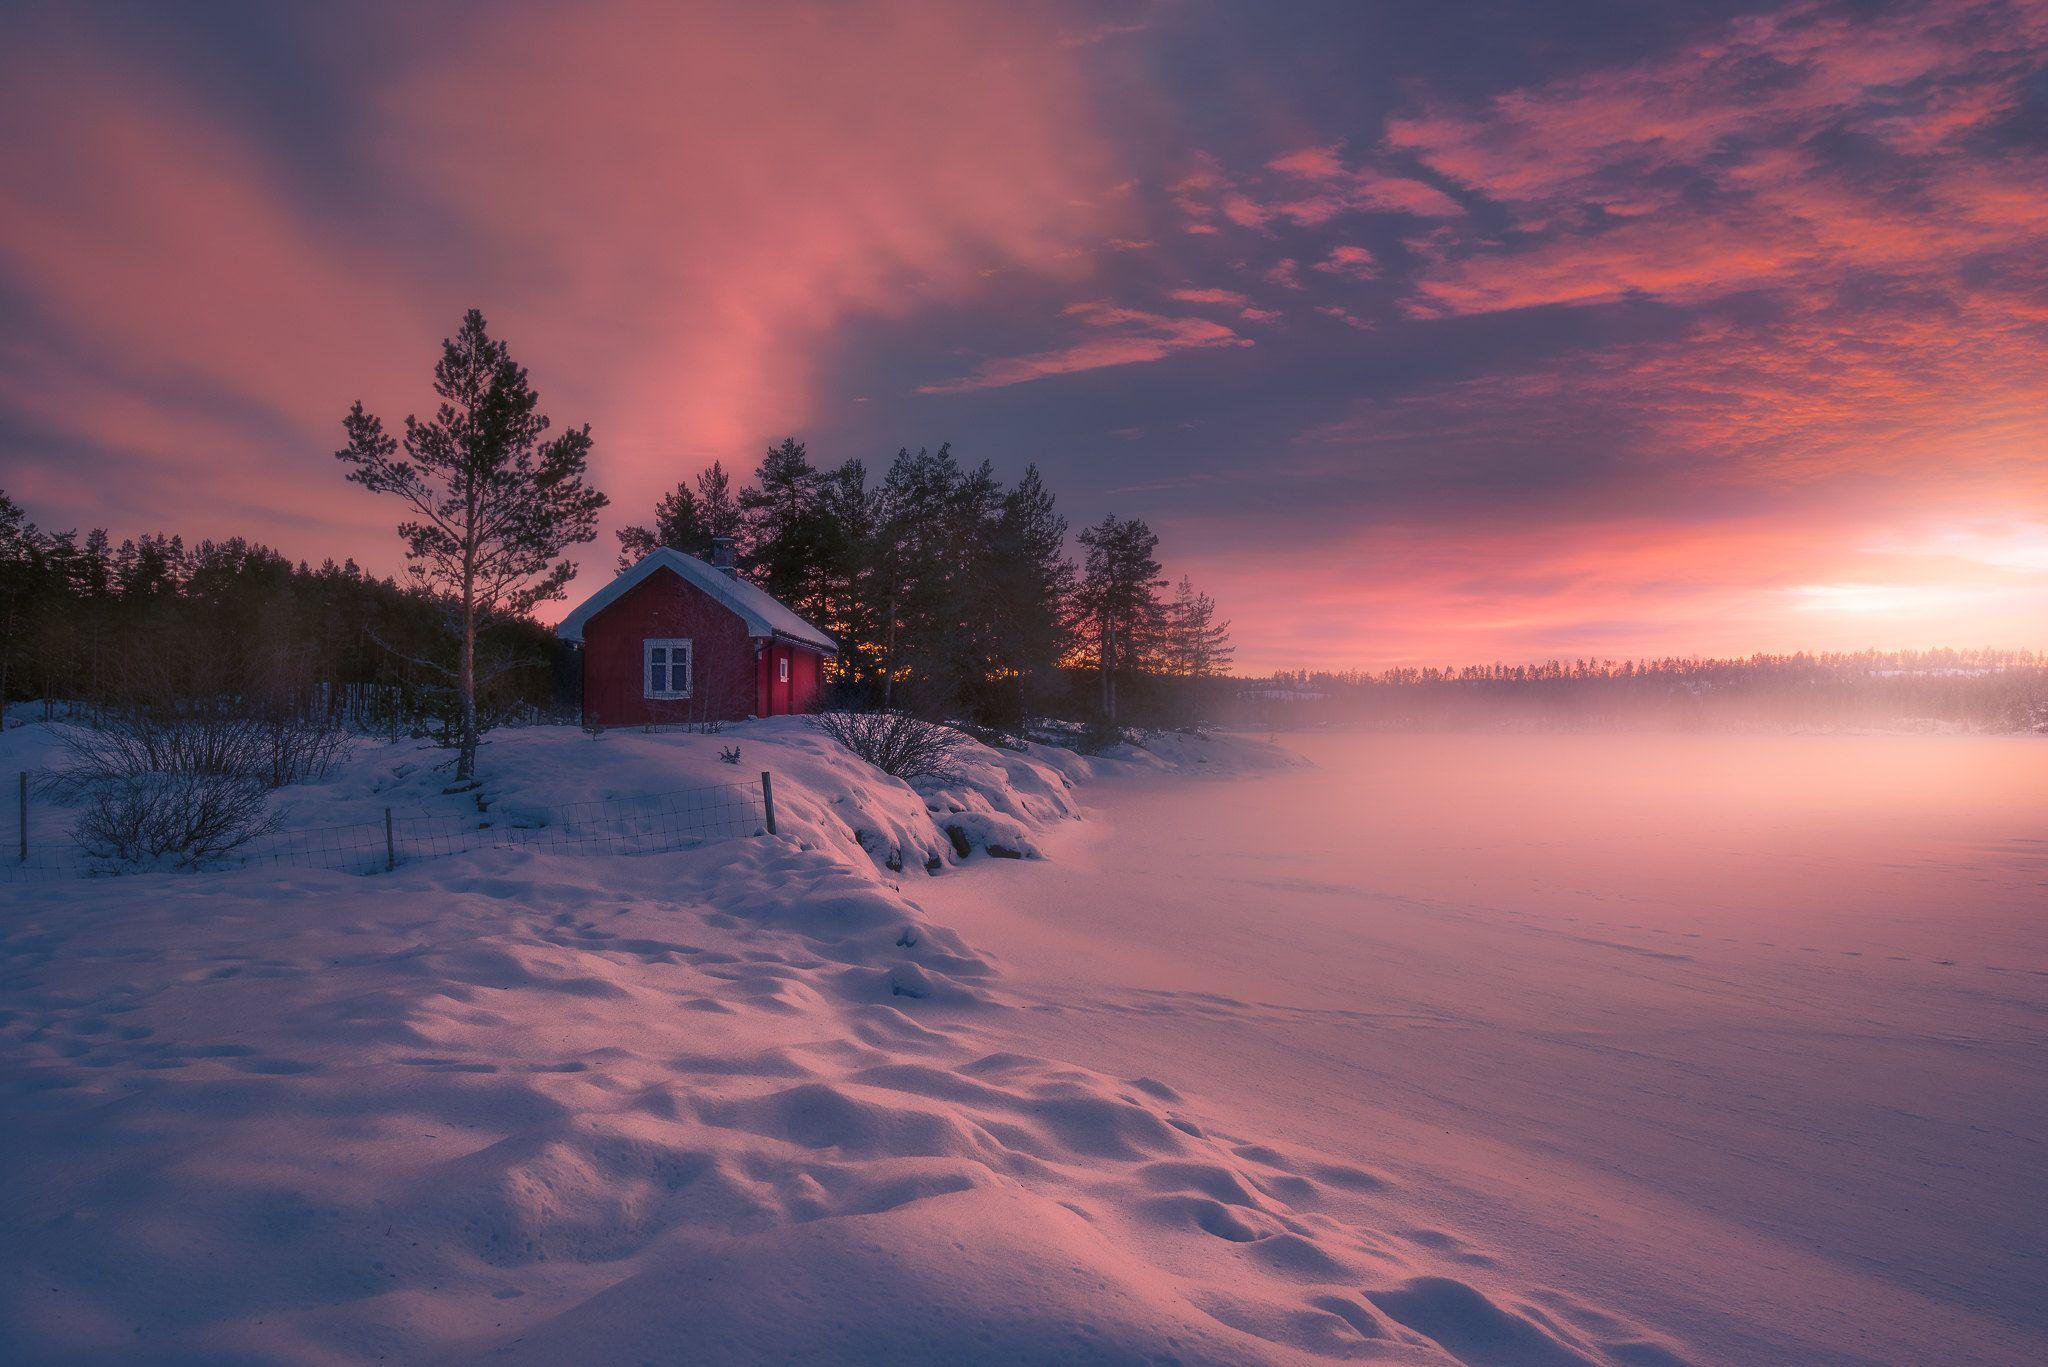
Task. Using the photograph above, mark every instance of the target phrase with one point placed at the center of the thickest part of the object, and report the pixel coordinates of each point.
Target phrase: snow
(764, 615)
(1416, 1055)
(1734, 1040)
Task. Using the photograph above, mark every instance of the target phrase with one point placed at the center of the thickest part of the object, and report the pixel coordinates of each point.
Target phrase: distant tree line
(1987, 690)
(87, 621)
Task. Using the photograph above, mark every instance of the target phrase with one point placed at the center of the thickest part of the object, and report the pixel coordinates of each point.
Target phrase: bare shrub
(272, 744)
(298, 746)
(187, 780)
(897, 743)
(189, 818)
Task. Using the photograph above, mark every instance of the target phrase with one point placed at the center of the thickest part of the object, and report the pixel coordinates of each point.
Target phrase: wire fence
(654, 824)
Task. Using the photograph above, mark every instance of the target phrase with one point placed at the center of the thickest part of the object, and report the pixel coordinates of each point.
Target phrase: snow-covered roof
(755, 606)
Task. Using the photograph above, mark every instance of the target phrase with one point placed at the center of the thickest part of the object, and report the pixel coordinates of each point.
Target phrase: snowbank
(741, 1102)
(826, 797)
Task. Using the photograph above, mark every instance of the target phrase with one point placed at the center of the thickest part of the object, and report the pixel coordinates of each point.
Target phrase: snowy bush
(897, 743)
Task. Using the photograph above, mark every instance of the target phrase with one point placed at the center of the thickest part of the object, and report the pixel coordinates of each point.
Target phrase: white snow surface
(742, 1102)
(1530, 1050)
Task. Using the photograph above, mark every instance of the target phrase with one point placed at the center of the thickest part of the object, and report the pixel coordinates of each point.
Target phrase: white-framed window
(665, 668)
(782, 670)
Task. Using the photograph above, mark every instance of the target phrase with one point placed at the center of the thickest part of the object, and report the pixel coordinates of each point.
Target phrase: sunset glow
(913, 683)
(1655, 329)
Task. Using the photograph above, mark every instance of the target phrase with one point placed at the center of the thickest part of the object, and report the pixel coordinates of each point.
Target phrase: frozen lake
(1743, 1035)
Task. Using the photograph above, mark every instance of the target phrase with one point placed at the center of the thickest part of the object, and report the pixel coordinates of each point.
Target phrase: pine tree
(849, 605)
(1029, 590)
(970, 663)
(1197, 646)
(149, 568)
(494, 505)
(918, 577)
(779, 517)
(679, 524)
(20, 546)
(1119, 600)
(717, 503)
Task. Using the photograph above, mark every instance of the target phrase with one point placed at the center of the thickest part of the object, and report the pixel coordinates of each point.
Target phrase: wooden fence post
(768, 799)
(390, 850)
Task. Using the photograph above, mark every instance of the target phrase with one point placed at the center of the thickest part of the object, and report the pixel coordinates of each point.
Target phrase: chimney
(721, 557)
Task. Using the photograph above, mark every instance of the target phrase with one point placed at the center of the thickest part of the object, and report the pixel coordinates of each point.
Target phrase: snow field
(737, 1103)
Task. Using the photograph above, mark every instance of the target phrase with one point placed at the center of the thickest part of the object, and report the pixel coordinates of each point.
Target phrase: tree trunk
(889, 657)
(1109, 667)
(465, 689)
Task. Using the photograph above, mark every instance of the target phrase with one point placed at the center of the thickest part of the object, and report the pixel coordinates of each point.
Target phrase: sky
(1433, 332)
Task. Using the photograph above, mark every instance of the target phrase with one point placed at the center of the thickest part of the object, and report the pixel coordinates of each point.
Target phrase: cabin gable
(724, 671)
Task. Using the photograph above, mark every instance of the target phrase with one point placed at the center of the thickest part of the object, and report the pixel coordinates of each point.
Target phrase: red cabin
(677, 639)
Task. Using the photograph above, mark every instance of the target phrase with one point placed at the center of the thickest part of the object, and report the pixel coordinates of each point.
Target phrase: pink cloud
(1334, 190)
(1245, 212)
(685, 321)
(1127, 337)
(1591, 165)
(1352, 263)
(1352, 189)
(1310, 163)
(1902, 347)
(1286, 273)
(1230, 299)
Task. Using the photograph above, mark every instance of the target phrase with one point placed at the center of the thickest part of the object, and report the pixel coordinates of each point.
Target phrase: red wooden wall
(730, 681)
(773, 697)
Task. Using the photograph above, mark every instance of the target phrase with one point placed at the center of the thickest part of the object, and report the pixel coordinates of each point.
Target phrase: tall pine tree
(493, 503)
(1120, 607)
(679, 524)
(1197, 646)
(782, 529)
(1029, 590)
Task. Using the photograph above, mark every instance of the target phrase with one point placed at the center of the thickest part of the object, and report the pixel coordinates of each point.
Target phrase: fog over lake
(1742, 1032)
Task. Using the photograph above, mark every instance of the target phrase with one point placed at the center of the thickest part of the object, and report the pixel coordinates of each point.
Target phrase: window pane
(658, 654)
(657, 678)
